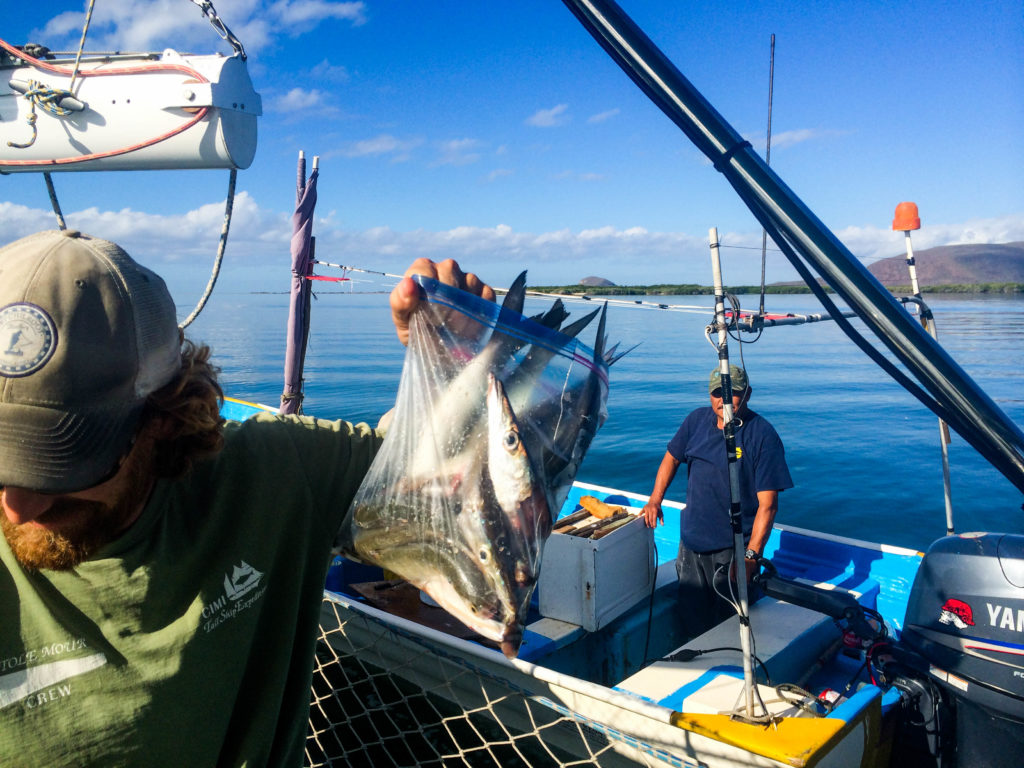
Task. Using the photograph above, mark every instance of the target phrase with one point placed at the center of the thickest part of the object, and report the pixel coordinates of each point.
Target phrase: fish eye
(511, 441)
(484, 555)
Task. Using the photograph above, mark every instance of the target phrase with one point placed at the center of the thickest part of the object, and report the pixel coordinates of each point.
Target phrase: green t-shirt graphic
(188, 641)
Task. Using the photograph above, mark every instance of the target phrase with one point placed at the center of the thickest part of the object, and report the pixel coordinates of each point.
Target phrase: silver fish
(473, 544)
(462, 400)
(560, 422)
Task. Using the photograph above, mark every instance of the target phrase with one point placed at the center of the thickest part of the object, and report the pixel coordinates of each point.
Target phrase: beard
(72, 530)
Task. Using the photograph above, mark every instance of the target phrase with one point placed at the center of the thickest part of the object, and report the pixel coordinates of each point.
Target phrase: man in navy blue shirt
(706, 539)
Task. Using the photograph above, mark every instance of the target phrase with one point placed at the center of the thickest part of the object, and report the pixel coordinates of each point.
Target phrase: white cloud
(499, 173)
(791, 138)
(297, 99)
(162, 237)
(874, 243)
(146, 25)
(18, 221)
(457, 152)
(576, 176)
(325, 71)
(600, 117)
(380, 145)
(306, 11)
(784, 139)
(65, 23)
(631, 255)
(549, 118)
(503, 251)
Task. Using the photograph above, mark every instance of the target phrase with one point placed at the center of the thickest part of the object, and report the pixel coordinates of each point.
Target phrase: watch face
(750, 554)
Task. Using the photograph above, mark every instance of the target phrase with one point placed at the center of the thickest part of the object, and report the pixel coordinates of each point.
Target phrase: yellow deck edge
(795, 741)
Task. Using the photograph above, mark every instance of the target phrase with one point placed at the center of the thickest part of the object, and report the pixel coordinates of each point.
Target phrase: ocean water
(864, 454)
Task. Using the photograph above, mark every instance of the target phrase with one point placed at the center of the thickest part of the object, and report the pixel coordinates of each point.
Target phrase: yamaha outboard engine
(964, 630)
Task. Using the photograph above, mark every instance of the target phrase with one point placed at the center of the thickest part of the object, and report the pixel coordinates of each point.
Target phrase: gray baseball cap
(737, 378)
(86, 334)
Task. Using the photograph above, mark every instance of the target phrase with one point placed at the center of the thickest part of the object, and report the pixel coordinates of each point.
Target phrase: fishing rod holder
(837, 603)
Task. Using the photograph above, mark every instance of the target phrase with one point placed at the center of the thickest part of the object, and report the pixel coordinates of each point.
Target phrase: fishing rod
(750, 322)
(636, 303)
(767, 161)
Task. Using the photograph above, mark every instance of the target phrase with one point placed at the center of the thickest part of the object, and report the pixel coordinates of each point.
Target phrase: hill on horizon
(956, 264)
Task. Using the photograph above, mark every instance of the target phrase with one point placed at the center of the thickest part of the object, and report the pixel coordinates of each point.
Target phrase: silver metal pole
(943, 427)
(735, 509)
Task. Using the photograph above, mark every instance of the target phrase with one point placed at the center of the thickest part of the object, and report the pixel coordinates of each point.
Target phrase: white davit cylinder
(151, 112)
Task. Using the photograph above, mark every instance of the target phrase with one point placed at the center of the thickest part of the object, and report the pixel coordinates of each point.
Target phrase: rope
(357, 269)
(47, 98)
(228, 207)
(81, 44)
(737, 318)
(53, 200)
(31, 120)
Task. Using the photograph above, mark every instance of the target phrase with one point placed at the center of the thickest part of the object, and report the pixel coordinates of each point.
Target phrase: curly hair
(187, 412)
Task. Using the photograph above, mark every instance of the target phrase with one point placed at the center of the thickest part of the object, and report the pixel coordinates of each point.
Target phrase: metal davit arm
(957, 398)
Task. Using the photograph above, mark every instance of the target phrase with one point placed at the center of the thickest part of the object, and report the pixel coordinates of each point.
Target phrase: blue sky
(499, 133)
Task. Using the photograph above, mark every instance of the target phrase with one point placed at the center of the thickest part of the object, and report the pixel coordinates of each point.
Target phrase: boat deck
(652, 626)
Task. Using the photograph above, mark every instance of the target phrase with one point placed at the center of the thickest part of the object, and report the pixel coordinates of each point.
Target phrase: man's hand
(405, 297)
(653, 514)
(752, 567)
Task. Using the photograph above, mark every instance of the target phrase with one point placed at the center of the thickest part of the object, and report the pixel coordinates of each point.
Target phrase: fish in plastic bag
(494, 414)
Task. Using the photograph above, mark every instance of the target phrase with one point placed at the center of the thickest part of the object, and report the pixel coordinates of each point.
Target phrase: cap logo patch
(28, 338)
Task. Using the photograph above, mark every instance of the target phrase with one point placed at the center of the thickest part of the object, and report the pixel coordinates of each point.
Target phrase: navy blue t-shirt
(699, 444)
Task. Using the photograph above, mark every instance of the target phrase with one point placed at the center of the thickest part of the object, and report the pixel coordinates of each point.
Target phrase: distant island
(997, 268)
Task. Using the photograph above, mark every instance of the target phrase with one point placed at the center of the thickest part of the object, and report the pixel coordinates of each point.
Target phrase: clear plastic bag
(495, 412)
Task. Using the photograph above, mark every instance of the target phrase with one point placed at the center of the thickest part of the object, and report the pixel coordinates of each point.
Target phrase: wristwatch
(750, 555)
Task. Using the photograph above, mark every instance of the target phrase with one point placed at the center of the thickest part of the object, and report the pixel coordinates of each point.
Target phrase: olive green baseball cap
(737, 377)
(86, 334)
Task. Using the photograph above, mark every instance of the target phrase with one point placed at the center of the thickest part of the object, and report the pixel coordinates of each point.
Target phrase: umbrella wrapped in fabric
(302, 249)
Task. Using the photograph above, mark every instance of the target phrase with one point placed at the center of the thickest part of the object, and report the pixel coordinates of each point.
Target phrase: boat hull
(447, 688)
(594, 698)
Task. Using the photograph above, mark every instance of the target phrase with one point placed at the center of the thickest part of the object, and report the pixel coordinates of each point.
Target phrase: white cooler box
(591, 582)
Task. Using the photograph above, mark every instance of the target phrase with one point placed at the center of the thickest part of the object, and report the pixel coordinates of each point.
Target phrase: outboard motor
(964, 631)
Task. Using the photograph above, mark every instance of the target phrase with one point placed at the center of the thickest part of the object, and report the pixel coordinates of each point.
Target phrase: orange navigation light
(906, 218)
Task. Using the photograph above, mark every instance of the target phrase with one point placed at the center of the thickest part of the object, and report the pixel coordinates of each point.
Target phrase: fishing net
(385, 697)
(494, 414)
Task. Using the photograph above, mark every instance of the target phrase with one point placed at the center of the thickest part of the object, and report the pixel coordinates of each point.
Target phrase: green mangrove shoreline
(690, 289)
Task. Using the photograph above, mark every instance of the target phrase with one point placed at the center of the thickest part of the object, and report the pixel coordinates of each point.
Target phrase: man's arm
(666, 473)
(767, 506)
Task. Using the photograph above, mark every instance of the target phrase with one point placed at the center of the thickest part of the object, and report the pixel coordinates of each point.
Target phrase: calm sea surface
(864, 454)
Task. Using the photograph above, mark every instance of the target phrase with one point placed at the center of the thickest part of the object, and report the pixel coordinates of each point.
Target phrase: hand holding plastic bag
(495, 412)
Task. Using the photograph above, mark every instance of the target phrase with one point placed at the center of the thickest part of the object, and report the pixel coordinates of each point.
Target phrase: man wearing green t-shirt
(160, 572)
